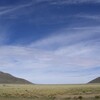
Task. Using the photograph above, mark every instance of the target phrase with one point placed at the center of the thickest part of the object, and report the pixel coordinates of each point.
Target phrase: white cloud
(87, 16)
(9, 9)
(67, 37)
(77, 50)
(3, 34)
(72, 1)
(5, 10)
(44, 61)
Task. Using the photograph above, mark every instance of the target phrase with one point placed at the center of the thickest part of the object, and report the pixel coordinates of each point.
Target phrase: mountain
(6, 78)
(97, 80)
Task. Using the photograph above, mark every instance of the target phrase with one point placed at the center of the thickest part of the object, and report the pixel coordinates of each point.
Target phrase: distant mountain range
(6, 78)
(97, 80)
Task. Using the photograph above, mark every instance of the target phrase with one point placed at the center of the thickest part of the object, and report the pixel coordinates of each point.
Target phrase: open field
(50, 92)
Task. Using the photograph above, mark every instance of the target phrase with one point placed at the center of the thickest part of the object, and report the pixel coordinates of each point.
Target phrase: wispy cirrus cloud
(4, 29)
(70, 1)
(65, 37)
(73, 55)
(57, 55)
(43, 64)
(89, 16)
(9, 9)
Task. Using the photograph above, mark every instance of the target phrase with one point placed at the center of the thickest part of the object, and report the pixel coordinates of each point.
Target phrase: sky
(50, 41)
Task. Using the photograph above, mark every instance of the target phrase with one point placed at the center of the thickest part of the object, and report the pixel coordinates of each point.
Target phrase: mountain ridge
(96, 80)
(6, 78)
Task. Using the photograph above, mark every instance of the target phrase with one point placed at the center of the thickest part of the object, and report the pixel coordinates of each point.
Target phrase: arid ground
(50, 92)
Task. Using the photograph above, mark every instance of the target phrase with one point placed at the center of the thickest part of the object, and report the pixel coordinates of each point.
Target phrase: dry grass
(50, 92)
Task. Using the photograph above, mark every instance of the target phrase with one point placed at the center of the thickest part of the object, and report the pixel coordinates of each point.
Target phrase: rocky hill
(6, 78)
(97, 80)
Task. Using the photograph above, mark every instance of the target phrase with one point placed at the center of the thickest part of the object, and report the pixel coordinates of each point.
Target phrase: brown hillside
(97, 80)
(6, 78)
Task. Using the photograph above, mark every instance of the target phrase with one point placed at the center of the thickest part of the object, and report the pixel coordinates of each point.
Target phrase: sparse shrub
(51, 97)
(80, 97)
(4, 85)
(97, 97)
(26, 90)
(84, 91)
(67, 98)
(75, 98)
(33, 97)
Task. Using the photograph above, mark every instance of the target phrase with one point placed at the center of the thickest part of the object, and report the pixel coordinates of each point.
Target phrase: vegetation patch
(50, 92)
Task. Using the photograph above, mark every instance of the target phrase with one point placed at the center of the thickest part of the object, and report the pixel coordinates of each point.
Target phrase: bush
(80, 97)
(97, 97)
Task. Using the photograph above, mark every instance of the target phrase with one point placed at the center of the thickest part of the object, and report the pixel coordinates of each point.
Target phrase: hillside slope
(6, 78)
(97, 80)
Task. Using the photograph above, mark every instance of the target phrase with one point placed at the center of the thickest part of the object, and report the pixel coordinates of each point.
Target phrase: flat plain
(50, 92)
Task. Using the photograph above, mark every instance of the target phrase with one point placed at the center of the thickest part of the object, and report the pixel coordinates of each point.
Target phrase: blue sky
(50, 41)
